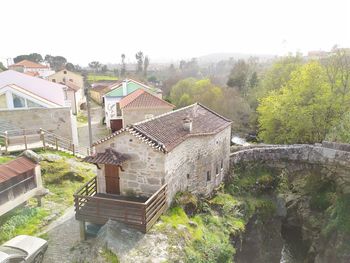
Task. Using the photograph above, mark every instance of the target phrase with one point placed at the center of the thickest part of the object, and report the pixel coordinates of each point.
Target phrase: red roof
(28, 64)
(143, 99)
(16, 167)
(166, 131)
(71, 85)
(32, 73)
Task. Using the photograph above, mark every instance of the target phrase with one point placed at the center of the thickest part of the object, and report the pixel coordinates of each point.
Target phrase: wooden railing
(99, 209)
(40, 138)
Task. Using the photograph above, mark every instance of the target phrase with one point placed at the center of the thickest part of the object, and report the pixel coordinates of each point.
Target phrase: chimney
(125, 91)
(187, 124)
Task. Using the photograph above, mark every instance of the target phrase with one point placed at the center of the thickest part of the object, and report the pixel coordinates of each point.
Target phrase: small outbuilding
(20, 179)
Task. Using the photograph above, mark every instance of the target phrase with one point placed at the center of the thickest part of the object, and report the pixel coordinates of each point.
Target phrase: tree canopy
(304, 110)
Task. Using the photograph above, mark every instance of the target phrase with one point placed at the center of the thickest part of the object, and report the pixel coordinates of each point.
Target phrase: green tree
(139, 59)
(2, 67)
(35, 57)
(239, 76)
(145, 65)
(95, 65)
(70, 67)
(303, 111)
(123, 67)
(56, 62)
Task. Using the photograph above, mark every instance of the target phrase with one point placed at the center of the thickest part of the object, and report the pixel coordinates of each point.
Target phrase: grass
(109, 256)
(5, 159)
(82, 118)
(62, 181)
(22, 221)
(97, 77)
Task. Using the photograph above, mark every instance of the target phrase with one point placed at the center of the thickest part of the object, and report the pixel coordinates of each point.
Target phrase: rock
(32, 156)
(193, 224)
(50, 157)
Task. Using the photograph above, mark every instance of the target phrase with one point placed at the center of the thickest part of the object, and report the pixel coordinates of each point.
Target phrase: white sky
(101, 30)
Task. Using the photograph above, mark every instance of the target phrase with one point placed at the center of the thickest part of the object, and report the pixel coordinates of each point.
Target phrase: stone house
(75, 87)
(32, 68)
(118, 91)
(187, 149)
(138, 106)
(32, 103)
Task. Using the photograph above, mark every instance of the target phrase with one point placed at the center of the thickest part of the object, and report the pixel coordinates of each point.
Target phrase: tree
(303, 111)
(239, 76)
(35, 57)
(139, 58)
(70, 67)
(104, 69)
(253, 81)
(145, 65)
(95, 65)
(123, 67)
(2, 67)
(56, 62)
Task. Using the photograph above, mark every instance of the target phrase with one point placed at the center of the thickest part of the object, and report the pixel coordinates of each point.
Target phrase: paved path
(63, 235)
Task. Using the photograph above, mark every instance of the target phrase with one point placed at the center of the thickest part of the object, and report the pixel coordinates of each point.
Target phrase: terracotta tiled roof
(31, 73)
(143, 99)
(110, 156)
(100, 88)
(16, 167)
(71, 85)
(28, 64)
(166, 131)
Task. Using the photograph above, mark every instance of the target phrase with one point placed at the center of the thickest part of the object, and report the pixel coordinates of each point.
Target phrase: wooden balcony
(138, 213)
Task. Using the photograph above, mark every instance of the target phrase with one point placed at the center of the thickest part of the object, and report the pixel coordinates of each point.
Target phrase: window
(3, 101)
(18, 102)
(222, 164)
(217, 170)
(64, 72)
(188, 176)
(32, 104)
(208, 176)
(53, 80)
(65, 94)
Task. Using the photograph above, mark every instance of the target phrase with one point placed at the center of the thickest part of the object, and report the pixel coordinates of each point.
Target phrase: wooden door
(116, 125)
(112, 179)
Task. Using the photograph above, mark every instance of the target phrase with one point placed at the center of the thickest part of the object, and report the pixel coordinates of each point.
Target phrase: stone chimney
(187, 124)
(125, 91)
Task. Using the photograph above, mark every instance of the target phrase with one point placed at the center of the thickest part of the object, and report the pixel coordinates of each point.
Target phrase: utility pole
(87, 94)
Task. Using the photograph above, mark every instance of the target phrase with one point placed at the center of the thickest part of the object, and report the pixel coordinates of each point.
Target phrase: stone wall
(57, 120)
(131, 116)
(329, 161)
(143, 174)
(187, 165)
(336, 146)
(184, 168)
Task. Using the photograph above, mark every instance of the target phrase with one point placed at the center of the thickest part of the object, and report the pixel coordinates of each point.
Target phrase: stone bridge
(332, 158)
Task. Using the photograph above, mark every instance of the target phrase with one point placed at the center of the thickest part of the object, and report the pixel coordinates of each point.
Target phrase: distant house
(141, 167)
(138, 106)
(32, 68)
(99, 89)
(119, 91)
(75, 85)
(31, 103)
(20, 180)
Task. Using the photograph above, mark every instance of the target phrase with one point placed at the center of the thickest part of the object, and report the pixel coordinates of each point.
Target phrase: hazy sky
(101, 30)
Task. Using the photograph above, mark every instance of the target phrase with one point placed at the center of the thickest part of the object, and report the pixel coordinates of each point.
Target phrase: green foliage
(35, 57)
(226, 101)
(5, 159)
(340, 132)
(91, 78)
(82, 118)
(21, 221)
(109, 256)
(303, 111)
